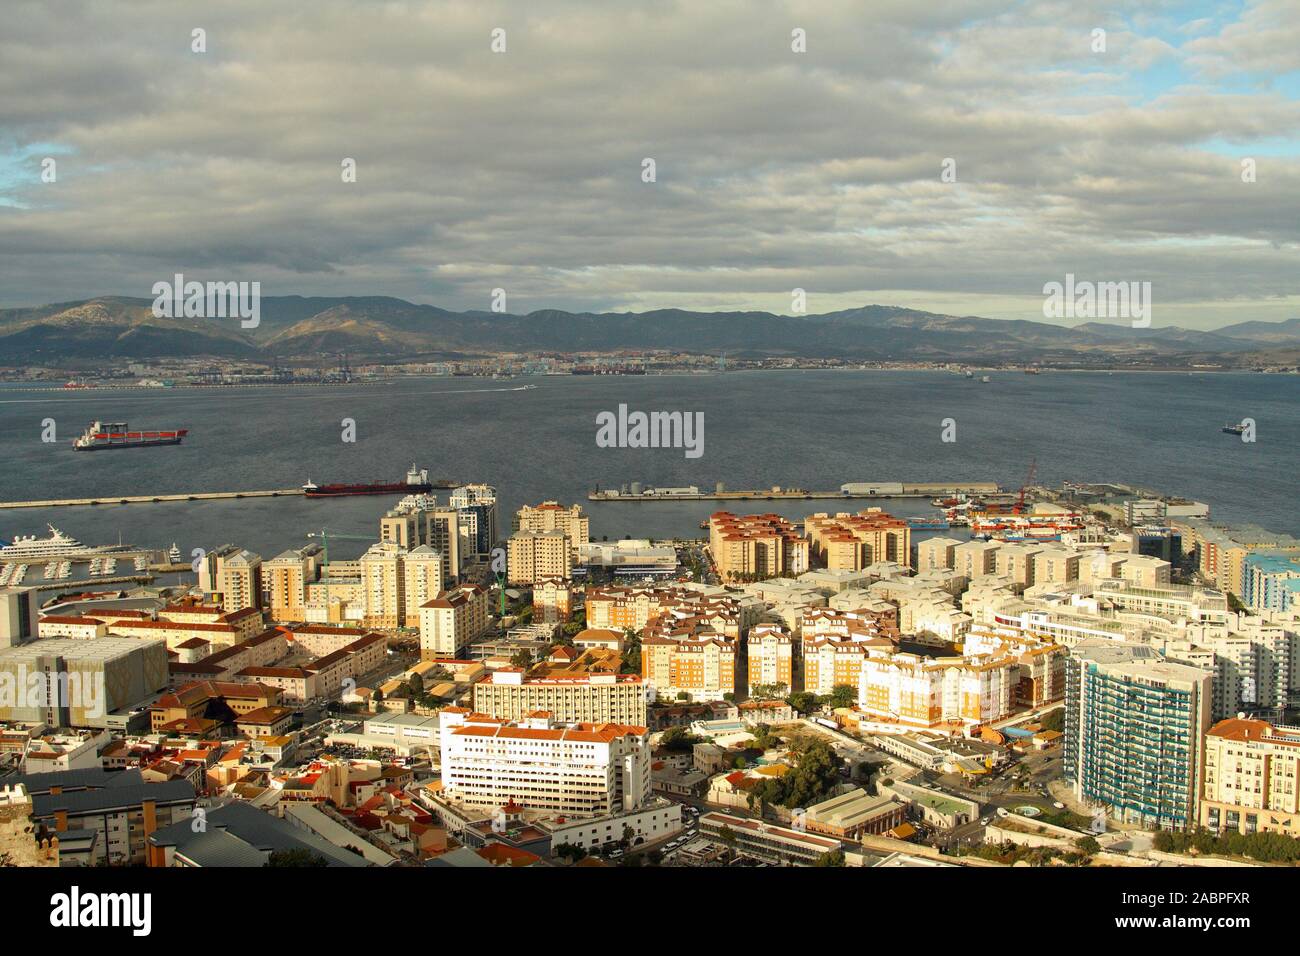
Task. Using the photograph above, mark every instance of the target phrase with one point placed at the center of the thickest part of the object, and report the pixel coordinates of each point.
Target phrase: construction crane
(1029, 480)
(325, 536)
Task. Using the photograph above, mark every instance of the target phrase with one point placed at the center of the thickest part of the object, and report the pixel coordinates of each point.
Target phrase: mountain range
(297, 327)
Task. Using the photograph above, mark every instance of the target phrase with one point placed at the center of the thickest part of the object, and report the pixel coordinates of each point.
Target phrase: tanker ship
(416, 483)
(119, 435)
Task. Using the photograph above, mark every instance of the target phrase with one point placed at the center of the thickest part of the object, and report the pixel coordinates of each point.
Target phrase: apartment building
(851, 542)
(975, 558)
(632, 608)
(533, 555)
(688, 662)
(1168, 602)
(1054, 565)
(1271, 581)
(452, 621)
(772, 653)
(1251, 778)
(284, 582)
(938, 553)
(552, 516)
(752, 547)
(581, 769)
(1253, 663)
(118, 807)
(240, 581)
(384, 582)
(1135, 726)
(477, 506)
(552, 599)
(422, 581)
(925, 692)
(1016, 562)
(568, 694)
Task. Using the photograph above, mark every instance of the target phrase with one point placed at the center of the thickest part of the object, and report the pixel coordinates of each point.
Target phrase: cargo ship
(417, 482)
(119, 435)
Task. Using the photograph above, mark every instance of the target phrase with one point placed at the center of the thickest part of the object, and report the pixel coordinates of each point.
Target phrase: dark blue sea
(809, 429)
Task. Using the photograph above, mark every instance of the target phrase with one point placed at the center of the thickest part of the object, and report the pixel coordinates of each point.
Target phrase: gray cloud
(775, 170)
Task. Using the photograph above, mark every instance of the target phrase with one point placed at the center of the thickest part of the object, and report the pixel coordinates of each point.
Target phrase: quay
(847, 491)
(149, 499)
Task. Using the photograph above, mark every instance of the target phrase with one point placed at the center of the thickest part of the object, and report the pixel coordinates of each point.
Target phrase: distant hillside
(384, 327)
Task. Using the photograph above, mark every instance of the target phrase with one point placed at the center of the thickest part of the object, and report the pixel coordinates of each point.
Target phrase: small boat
(1234, 429)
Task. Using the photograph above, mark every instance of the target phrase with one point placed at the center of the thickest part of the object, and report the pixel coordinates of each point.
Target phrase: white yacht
(57, 544)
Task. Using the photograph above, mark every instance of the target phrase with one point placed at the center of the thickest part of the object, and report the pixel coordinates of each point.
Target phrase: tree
(522, 658)
(416, 683)
(569, 851)
(296, 857)
(1088, 845)
(842, 695)
(830, 858)
(678, 738)
(804, 702)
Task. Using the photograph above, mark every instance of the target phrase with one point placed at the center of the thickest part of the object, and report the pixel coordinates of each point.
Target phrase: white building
(578, 769)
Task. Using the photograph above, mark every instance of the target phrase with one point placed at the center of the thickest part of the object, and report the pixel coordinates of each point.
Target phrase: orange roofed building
(754, 547)
(1248, 781)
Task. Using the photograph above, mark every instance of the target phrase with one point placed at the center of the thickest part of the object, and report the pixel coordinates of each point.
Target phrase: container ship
(119, 435)
(416, 483)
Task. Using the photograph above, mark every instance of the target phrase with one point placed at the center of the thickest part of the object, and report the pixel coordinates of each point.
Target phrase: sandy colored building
(1249, 778)
(552, 516)
(452, 621)
(534, 555)
(756, 546)
(772, 655)
(851, 542)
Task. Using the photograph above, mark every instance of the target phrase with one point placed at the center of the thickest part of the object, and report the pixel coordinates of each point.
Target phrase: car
(985, 821)
(1058, 804)
(1003, 812)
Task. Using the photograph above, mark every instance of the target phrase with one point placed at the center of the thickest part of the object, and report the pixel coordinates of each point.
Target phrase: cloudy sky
(775, 170)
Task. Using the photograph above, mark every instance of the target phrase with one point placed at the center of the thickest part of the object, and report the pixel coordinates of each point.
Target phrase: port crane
(324, 534)
(1029, 480)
